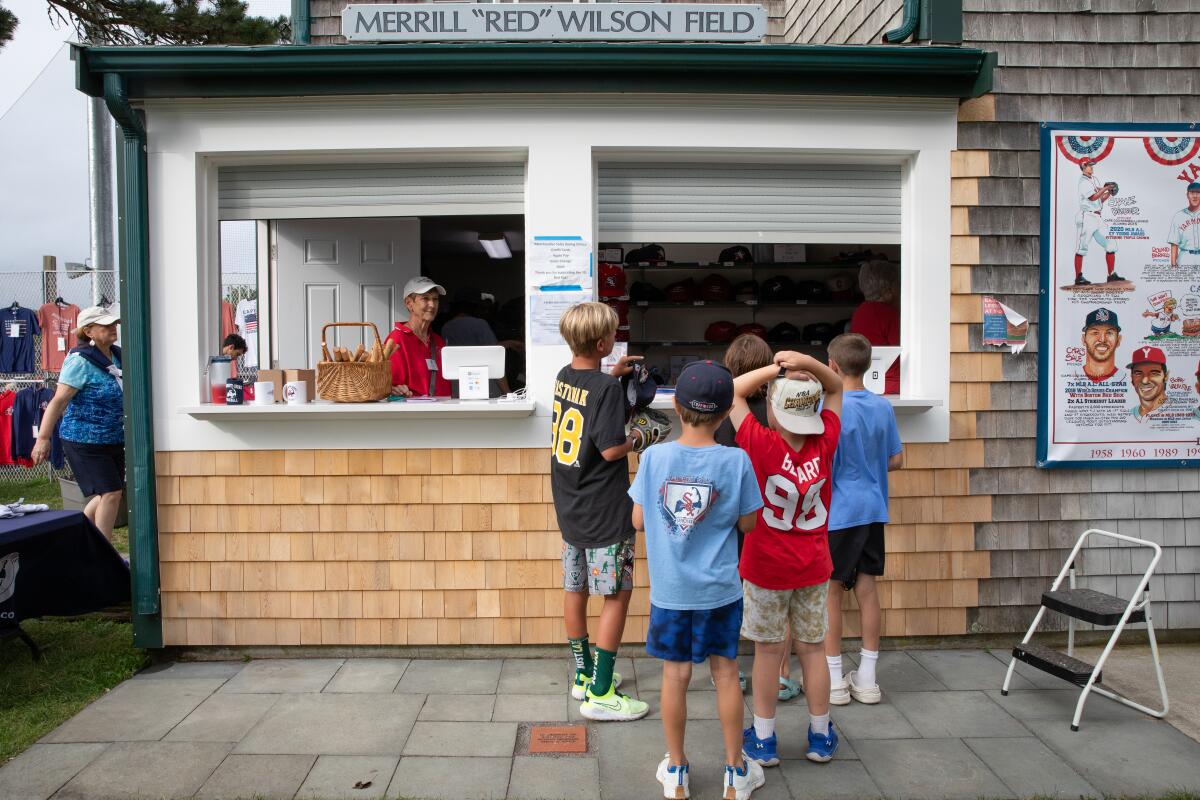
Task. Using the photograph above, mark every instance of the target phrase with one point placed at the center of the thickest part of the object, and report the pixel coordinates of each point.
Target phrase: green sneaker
(582, 682)
(614, 707)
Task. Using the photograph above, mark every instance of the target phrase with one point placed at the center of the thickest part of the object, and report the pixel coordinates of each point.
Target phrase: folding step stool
(1098, 608)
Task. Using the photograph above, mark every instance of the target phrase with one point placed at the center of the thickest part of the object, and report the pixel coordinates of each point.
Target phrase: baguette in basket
(346, 379)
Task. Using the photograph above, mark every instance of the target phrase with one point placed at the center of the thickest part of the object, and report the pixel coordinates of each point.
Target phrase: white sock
(835, 669)
(764, 728)
(866, 668)
(820, 724)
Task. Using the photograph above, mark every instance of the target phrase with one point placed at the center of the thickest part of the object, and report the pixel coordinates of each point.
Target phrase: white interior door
(341, 270)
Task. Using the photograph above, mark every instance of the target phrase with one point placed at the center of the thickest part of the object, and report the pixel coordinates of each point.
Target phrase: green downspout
(301, 22)
(908, 25)
(133, 218)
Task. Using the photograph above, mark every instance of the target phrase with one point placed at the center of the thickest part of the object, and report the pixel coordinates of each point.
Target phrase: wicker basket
(354, 381)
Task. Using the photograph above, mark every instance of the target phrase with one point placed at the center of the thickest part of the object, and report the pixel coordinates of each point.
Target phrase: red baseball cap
(612, 280)
(1147, 355)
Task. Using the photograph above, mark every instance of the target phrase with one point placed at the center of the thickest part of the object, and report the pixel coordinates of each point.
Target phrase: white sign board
(553, 22)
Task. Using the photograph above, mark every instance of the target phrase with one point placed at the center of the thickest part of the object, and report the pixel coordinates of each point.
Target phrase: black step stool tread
(1055, 663)
(1090, 606)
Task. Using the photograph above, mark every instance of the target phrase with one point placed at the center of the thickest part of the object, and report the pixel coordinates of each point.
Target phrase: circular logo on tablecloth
(1172, 150)
(8, 575)
(1077, 148)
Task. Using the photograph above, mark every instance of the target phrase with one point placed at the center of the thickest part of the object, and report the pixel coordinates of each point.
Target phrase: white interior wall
(561, 139)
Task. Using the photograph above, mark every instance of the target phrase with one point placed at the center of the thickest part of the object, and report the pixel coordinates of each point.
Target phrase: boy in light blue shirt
(868, 448)
(689, 497)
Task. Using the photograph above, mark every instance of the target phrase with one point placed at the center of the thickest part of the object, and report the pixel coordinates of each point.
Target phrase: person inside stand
(90, 402)
(878, 318)
(417, 362)
(467, 328)
(233, 346)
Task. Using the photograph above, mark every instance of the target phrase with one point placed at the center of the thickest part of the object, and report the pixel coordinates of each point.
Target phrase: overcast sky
(37, 40)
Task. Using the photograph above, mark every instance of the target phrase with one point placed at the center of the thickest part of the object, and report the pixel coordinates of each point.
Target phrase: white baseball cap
(98, 315)
(421, 285)
(797, 405)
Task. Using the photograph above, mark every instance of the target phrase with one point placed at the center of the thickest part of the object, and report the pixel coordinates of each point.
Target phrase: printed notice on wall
(546, 309)
(560, 261)
(1003, 327)
(1119, 377)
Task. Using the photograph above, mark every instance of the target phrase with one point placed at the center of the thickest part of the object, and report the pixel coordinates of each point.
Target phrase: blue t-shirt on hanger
(18, 326)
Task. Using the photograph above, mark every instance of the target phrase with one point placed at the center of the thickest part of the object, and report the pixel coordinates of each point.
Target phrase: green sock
(602, 679)
(582, 652)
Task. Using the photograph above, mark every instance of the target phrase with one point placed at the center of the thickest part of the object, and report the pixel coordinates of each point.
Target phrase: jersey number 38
(785, 510)
(566, 429)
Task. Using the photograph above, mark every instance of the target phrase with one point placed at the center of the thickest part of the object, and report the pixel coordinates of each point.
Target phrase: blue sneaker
(761, 750)
(820, 748)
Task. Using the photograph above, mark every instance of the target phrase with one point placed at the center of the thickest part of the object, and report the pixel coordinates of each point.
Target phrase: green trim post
(908, 24)
(134, 219)
(301, 22)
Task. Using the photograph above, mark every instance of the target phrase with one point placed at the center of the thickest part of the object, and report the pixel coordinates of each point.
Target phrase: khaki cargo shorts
(767, 612)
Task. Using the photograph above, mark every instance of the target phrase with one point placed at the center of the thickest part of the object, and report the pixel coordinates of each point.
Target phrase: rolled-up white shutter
(751, 202)
(286, 191)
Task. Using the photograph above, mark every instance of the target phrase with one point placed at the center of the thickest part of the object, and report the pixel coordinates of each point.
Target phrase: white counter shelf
(324, 410)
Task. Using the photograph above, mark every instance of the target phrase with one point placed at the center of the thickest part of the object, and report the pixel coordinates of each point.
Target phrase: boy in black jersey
(589, 476)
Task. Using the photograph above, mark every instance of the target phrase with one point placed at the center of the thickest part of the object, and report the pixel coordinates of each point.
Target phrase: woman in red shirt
(878, 318)
(417, 362)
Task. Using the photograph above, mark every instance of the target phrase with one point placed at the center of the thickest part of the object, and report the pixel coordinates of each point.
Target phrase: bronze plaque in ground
(561, 739)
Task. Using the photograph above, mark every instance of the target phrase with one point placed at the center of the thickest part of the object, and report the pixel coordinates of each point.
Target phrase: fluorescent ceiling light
(495, 245)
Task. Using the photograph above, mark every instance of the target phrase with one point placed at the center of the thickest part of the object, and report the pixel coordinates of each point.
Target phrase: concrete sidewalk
(370, 728)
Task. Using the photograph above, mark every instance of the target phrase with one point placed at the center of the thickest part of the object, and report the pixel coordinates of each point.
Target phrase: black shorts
(855, 550)
(98, 468)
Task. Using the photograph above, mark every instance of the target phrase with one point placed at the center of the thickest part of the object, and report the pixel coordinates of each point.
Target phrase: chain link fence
(32, 290)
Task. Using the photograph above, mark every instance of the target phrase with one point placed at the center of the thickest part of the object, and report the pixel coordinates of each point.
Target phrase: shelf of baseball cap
(443, 409)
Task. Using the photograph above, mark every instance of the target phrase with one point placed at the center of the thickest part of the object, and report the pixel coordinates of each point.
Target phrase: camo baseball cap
(797, 405)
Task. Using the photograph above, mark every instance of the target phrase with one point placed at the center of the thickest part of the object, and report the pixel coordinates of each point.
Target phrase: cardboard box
(309, 376)
(276, 377)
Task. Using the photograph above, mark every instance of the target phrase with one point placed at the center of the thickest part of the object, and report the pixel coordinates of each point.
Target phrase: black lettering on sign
(367, 24)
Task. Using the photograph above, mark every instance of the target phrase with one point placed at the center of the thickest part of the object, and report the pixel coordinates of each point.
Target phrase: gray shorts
(598, 570)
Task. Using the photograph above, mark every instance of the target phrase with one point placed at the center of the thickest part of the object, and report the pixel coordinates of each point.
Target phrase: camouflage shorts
(598, 570)
(767, 613)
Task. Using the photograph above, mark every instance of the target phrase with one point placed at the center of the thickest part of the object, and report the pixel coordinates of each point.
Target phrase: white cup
(296, 392)
(264, 393)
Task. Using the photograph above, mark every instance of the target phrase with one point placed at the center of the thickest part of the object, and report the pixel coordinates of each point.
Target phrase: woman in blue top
(90, 401)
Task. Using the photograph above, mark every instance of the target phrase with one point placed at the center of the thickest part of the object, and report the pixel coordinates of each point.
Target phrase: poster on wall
(1119, 367)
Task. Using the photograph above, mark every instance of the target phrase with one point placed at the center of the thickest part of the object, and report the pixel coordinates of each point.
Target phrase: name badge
(431, 365)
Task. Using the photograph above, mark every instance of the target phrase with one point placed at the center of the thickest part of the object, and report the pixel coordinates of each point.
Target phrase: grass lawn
(81, 660)
(44, 491)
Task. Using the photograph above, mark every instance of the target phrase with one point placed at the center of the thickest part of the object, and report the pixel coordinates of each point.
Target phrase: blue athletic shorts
(694, 635)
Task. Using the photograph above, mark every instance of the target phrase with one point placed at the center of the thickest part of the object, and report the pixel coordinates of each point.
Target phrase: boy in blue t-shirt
(868, 448)
(689, 496)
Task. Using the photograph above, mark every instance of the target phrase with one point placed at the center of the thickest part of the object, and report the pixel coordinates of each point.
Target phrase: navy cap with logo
(1102, 316)
(705, 387)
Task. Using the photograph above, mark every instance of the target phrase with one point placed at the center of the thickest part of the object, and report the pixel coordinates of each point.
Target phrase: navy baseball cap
(705, 387)
(1194, 186)
(1102, 316)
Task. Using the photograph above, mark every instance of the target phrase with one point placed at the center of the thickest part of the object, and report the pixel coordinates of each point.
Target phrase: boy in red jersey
(785, 564)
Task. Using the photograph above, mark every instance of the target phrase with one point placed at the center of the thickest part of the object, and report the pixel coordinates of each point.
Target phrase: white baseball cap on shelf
(421, 285)
(797, 405)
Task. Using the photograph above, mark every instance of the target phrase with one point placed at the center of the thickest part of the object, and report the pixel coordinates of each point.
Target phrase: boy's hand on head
(624, 365)
(795, 362)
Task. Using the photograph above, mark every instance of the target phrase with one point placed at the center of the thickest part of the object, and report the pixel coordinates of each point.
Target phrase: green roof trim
(493, 67)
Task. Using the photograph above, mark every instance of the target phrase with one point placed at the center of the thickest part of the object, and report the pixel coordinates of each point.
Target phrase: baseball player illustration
(1148, 376)
(1101, 337)
(1197, 411)
(1089, 225)
(1184, 234)
(1163, 317)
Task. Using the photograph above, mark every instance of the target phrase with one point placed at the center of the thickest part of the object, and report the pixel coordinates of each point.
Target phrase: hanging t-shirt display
(58, 323)
(6, 416)
(28, 409)
(246, 319)
(18, 326)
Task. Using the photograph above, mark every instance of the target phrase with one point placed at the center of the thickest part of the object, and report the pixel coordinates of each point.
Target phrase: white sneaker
(674, 780)
(869, 695)
(839, 693)
(739, 785)
(580, 684)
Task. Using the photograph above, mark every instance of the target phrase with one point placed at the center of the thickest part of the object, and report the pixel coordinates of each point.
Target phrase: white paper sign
(472, 383)
(882, 359)
(14, 330)
(560, 261)
(545, 311)
(619, 351)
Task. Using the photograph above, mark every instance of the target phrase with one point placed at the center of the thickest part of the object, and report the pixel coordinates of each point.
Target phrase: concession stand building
(396, 141)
